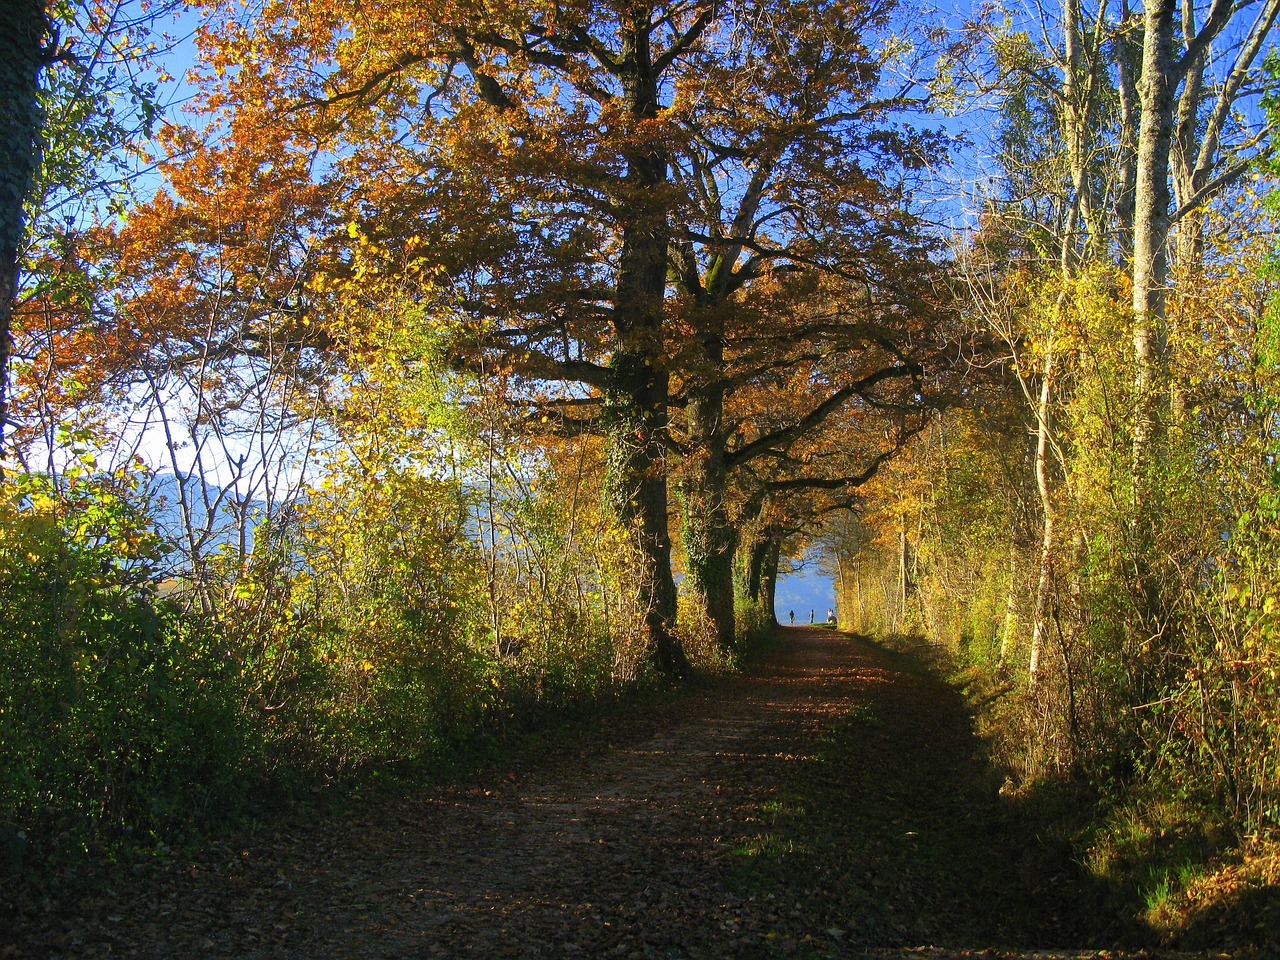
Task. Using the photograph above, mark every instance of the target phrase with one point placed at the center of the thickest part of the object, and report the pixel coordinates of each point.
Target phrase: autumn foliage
(453, 364)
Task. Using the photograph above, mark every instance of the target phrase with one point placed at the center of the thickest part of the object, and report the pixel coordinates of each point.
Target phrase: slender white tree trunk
(1150, 235)
(1045, 490)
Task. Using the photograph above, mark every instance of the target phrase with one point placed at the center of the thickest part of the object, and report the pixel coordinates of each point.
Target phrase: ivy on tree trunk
(23, 29)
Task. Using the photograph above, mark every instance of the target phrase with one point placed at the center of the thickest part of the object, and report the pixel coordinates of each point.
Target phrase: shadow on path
(894, 833)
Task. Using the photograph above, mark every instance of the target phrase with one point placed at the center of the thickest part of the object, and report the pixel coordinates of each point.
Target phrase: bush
(114, 712)
(358, 631)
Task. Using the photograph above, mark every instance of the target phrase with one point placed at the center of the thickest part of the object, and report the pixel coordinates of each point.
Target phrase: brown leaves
(828, 805)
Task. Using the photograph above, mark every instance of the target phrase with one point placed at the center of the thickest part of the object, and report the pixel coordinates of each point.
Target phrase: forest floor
(831, 802)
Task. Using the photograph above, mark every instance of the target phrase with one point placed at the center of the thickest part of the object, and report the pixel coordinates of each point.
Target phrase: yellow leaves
(41, 503)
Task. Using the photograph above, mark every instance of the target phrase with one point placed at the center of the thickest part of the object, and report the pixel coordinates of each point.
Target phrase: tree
(24, 52)
(81, 98)
(803, 476)
(551, 127)
(1175, 128)
(536, 167)
(777, 190)
(188, 320)
(790, 380)
(1144, 108)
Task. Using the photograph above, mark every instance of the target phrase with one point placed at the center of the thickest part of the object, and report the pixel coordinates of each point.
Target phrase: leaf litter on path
(827, 804)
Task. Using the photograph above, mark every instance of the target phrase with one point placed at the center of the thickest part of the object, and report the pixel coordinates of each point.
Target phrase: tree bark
(904, 570)
(710, 539)
(1081, 64)
(1190, 237)
(1010, 625)
(23, 29)
(1150, 264)
(842, 602)
(635, 403)
(635, 419)
(1198, 132)
(636, 489)
(1044, 488)
(760, 565)
(769, 574)
(1127, 138)
(753, 565)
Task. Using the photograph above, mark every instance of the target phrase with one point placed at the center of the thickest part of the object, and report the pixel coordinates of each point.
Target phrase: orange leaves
(497, 165)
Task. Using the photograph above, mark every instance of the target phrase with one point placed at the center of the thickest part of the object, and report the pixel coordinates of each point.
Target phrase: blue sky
(804, 591)
(803, 588)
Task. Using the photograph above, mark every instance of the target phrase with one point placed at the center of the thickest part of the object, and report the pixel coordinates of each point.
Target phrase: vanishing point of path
(830, 804)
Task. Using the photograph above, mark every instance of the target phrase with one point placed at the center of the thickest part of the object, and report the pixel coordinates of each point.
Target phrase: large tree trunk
(760, 565)
(23, 28)
(1150, 278)
(709, 538)
(635, 418)
(635, 404)
(636, 488)
(769, 574)
(751, 564)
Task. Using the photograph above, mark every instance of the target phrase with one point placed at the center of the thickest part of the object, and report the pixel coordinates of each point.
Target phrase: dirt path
(828, 805)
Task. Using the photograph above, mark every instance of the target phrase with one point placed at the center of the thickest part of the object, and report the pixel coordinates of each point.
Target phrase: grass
(1193, 884)
(1172, 867)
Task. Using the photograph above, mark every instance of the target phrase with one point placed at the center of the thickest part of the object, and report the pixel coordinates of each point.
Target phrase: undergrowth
(1172, 860)
(141, 711)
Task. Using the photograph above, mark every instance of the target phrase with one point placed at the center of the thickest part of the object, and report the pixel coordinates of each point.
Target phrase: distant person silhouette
(811, 616)
(831, 615)
(792, 615)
